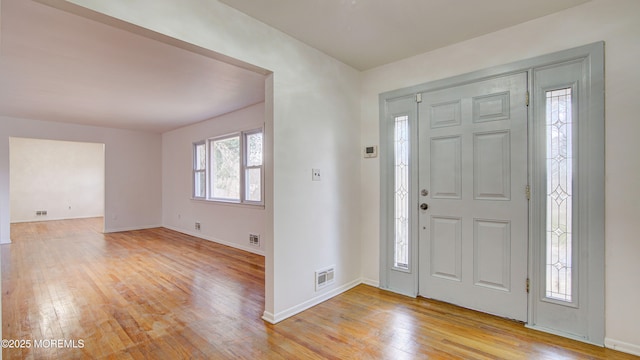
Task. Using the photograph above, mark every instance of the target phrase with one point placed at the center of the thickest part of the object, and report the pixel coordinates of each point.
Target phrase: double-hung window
(229, 168)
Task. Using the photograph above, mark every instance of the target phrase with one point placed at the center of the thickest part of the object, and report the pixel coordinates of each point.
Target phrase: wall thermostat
(370, 151)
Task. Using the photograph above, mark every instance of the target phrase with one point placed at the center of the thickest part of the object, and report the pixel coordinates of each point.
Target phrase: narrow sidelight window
(199, 170)
(559, 157)
(401, 192)
(253, 166)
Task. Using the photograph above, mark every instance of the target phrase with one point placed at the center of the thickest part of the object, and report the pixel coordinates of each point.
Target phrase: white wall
(317, 104)
(133, 196)
(64, 178)
(618, 24)
(229, 224)
(315, 124)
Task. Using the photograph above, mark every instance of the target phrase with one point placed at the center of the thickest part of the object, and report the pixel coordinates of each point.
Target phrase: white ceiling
(370, 33)
(57, 66)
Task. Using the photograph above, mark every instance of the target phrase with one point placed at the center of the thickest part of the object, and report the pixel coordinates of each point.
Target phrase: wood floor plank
(160, 294)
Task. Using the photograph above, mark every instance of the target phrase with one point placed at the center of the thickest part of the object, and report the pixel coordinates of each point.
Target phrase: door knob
(424, 206)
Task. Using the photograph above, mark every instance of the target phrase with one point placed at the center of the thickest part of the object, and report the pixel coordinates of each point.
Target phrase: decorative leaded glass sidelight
(559, 157)
(401, 192)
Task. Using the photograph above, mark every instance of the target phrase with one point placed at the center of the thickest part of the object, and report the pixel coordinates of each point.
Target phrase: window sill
(229, 203)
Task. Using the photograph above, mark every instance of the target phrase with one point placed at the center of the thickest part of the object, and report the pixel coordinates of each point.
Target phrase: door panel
(446, 248)
(446, 168)
(492, 257)
(473, 164)
(492, 166)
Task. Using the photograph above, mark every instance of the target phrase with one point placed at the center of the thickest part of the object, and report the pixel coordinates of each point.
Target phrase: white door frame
(594, 220)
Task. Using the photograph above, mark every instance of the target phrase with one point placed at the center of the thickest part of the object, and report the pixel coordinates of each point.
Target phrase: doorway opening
(150, 84)
(56, 180)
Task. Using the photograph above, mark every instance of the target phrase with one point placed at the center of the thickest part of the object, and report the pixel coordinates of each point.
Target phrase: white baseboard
(5, 241)
(622, 346)
(282, 315)
(221, 242)
(130, 228)
(41, 219)
(374, 283)
(269, 317)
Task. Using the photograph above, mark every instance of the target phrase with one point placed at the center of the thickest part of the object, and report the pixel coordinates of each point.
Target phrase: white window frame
(211, 170)
(242, 136)
(245, 167)
(197, 170)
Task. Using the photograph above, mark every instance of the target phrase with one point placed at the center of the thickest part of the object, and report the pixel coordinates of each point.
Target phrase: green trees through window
(229, 168)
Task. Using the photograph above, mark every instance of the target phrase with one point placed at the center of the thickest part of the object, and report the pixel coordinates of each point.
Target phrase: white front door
(472, 190)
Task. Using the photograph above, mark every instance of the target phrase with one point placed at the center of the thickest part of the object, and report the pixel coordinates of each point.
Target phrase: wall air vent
(254, 239)
(325, 277)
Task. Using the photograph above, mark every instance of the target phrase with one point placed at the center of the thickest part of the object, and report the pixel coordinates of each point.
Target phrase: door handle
(424, 206)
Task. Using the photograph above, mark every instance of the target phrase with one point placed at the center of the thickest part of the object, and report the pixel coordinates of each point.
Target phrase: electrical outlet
(315, 174)
(197, 226)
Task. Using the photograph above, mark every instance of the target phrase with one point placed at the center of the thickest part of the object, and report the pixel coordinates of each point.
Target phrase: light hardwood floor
(159, 294)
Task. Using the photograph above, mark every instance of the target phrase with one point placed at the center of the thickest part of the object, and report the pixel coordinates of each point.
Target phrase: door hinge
(527, 285)
(418, 97)
(527, 192)
(527, 98)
